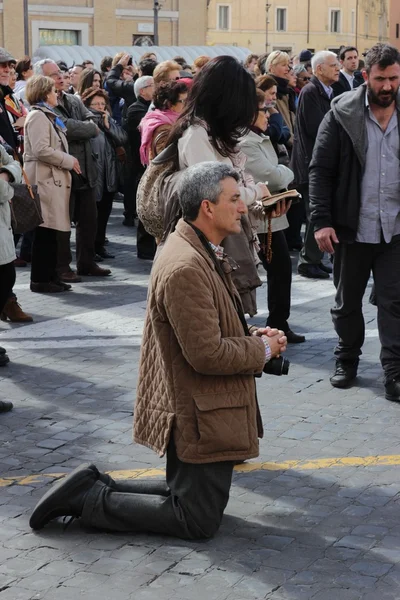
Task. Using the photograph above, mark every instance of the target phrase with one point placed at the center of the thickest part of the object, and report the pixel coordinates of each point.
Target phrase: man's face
(329, 71)
(251, 66)
(227, 212)
(67, 80)
(52, 70)
(5, 70)
(75, 73)
(350, 61)
(148, 91)
(383, 84)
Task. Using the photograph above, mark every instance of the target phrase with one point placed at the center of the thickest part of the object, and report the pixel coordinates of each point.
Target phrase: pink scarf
(149, 123)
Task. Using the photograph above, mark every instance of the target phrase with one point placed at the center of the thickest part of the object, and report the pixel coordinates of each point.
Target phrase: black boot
(5, 406)
(345, 373)
(65, 497)
(392, 390)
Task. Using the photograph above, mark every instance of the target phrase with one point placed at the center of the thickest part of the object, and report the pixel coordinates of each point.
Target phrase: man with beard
(355, 210)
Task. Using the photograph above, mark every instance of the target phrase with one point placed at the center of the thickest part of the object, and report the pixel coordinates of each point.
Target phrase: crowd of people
(85, 134)
(196, 398)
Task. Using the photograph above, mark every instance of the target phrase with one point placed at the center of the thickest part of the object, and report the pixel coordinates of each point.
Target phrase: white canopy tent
(76, 54)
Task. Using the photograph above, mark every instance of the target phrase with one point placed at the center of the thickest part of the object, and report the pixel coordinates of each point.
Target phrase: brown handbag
(26, 213)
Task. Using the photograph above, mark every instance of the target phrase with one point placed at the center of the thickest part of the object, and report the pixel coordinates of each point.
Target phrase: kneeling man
(196, 397)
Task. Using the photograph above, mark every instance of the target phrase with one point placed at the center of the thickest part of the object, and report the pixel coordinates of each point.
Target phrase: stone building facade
(101, 22)
(293, 25)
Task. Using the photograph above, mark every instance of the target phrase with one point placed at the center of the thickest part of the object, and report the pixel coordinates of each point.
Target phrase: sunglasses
(263, 109)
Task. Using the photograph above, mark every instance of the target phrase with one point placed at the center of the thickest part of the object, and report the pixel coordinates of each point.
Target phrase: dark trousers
(84, 214)
(279, 274)
(7, 280)
(351, 270)
(296, 217)
(26, 244)
(44, 255)
(145, 243)
(104, 208)
(310, 253)
(131, 182)
(189, 505)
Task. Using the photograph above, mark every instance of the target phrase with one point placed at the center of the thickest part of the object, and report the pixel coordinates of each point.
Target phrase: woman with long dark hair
(89, 78)
(220, 109)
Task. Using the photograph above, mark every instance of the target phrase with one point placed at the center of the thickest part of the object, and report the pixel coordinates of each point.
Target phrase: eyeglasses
(334, 65)
(305, 78)
(98, 105)
(263, 109)
(56, 74)
(180, 101)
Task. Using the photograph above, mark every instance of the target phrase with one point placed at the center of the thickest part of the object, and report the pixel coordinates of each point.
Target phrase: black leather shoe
(392, 390)
(345, 373)
(294, 338)
(129, 222)
(325, 268)
(4, 359)
(104, 253)
(312, 272)
(65, 497)
(2, 350)
(5, 406)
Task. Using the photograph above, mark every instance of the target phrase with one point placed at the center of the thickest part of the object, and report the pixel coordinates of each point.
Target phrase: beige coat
(197, 367)
(47, 164)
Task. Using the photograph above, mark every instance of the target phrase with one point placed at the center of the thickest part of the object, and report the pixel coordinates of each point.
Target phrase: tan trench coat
(197, 367)
(47, 164)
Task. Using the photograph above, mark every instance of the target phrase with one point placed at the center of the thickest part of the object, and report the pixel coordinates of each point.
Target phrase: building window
(281, 19)
(335, 24)
(353, 21)
(224, 16)
(59, 37)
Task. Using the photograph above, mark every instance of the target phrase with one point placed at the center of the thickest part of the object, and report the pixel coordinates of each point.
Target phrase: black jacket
(120, 89)
(104, 147)
(343, 85)
(313, 105)
(338, 164)
(76, 117)
(7, 131)
(134, 115)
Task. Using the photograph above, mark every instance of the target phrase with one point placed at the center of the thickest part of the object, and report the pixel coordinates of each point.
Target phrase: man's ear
(206, 208)
(364, 74)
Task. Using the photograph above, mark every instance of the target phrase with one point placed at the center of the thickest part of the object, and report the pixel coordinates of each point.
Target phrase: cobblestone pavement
(296, 528)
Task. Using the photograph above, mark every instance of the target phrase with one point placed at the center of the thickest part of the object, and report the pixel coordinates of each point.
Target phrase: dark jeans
(189, 505)
(44, 255)
(84, 212)
(104, 208)
(279, 274)
(351, 270)
(310, 253)
(7, 280)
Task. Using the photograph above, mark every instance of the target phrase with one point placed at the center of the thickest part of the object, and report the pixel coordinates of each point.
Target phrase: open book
(288, 195)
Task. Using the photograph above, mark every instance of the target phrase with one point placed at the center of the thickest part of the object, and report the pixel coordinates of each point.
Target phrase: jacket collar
(319, 87)
(349, 110)
(185, 231)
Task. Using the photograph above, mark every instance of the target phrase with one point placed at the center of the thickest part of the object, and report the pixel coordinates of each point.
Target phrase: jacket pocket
(222, 421)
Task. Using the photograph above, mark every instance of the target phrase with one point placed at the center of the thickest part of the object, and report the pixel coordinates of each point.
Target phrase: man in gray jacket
(83, 209)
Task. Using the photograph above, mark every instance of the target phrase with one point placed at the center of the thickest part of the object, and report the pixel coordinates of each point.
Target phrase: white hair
(320, 57)
(38, 66)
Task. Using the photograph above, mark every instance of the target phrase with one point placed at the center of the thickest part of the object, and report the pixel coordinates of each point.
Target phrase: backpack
(157, 199)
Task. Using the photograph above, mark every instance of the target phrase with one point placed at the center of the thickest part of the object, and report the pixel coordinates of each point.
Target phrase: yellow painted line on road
(390, 460)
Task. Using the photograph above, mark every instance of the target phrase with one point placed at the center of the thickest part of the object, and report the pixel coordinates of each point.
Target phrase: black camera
(277, 366)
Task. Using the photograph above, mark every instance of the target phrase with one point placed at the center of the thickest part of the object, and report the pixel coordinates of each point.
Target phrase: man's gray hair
(38, 66)
(141, 83)
(320, 58)
(202, 182)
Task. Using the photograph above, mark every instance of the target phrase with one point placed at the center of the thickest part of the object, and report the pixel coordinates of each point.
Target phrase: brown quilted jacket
(197, 367)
